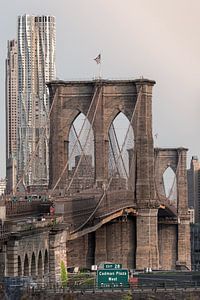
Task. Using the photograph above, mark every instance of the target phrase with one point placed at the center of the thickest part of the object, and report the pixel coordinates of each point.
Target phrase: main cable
(37, 146)
(67, 162)
(110, 180)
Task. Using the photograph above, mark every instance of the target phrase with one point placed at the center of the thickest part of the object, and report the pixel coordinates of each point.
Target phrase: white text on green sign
(112, 277)
(112, 266)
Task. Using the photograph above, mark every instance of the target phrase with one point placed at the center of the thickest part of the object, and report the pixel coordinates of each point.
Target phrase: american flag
(98, 59)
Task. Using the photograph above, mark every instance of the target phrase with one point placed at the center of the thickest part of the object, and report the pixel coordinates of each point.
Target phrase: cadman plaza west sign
(112, 278)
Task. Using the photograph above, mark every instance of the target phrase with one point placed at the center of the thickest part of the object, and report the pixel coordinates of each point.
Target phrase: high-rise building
(2, 186)
(11, 113)
(36, 66)
(193, 175)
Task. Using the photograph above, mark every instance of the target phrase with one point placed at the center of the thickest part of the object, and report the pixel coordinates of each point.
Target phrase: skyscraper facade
(193, 176)
(36, 66)
(11, 113)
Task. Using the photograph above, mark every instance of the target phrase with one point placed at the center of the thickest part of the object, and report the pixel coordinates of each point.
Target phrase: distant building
(191, 213)
(30, 64)
(195, 246)
(11, 174)
(11, 113)
(84, 178)
(2, 186)
(193, 176)
(36, 59)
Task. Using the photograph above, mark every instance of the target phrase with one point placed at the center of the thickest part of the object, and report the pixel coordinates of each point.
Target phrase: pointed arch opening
(80, 155)
(170, 184)
(19, 266)
(121, 151)
(46, 263)
(40, 271)
(33, 265)
(26, 266)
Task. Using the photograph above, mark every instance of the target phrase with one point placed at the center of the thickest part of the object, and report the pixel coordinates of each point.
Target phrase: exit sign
(112, 278)
(112, 266)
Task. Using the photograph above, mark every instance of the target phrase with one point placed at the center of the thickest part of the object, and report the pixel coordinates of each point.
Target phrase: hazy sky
(156, 39)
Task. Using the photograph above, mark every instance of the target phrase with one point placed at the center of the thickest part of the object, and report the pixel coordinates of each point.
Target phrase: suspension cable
(83, 148)
(67, 162)
(120, 155)
(173, 184)
(120, 150)
(114, 156)
(37, 146)
(80, 145)
(108, 185)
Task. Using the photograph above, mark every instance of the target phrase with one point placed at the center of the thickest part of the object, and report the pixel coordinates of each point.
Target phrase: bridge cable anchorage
(97, 89)
(110, 180)
(33, 155)
(167, 199)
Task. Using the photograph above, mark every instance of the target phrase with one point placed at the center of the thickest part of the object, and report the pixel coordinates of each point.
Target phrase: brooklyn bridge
(107, 199)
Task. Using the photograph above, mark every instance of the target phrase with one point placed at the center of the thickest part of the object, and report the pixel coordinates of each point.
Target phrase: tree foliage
(63, 274)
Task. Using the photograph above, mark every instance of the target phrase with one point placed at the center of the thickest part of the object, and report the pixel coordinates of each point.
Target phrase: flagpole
(98, 61)
(100, 67)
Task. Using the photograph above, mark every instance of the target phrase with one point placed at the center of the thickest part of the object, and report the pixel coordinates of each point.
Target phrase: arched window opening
(46, 263)
(26, 266)
(33, 265)
(19, 266)
(80, 155)
(40, 273)
(121, 145)
(170, 184)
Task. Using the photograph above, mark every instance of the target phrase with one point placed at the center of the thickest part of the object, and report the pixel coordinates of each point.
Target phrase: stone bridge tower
(101, 101)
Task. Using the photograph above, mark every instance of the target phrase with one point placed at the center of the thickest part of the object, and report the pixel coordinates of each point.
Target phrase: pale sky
(156, 39)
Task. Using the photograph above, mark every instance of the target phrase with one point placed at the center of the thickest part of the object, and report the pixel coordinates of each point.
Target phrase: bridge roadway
(87, 211)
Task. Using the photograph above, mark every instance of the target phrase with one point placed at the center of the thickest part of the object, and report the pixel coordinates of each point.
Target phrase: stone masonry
(101, 101)
(120, 220)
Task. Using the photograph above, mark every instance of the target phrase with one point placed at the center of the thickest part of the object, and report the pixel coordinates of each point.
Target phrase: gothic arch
(164, 159)
(80, 154)
(115, 112)
(170, 183)
(26, 266)
(46, 263)
(170, 165)
(83, 127)
(19, 266)
(69, 121)
(121, 141)
(72, 114)
(33, 265)
(40, 265)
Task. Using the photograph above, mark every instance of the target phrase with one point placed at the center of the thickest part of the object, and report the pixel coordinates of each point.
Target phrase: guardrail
(57, 288)
(24, 207)
(3, 232)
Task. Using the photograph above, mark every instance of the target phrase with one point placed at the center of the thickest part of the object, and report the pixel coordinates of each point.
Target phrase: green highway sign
(112, 278)
(112, 266)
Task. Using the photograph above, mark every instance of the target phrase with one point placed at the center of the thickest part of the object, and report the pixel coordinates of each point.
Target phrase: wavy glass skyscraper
(11, 94)
(36, 66)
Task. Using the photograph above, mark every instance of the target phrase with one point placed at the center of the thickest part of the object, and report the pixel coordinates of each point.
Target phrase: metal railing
(159, 285)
